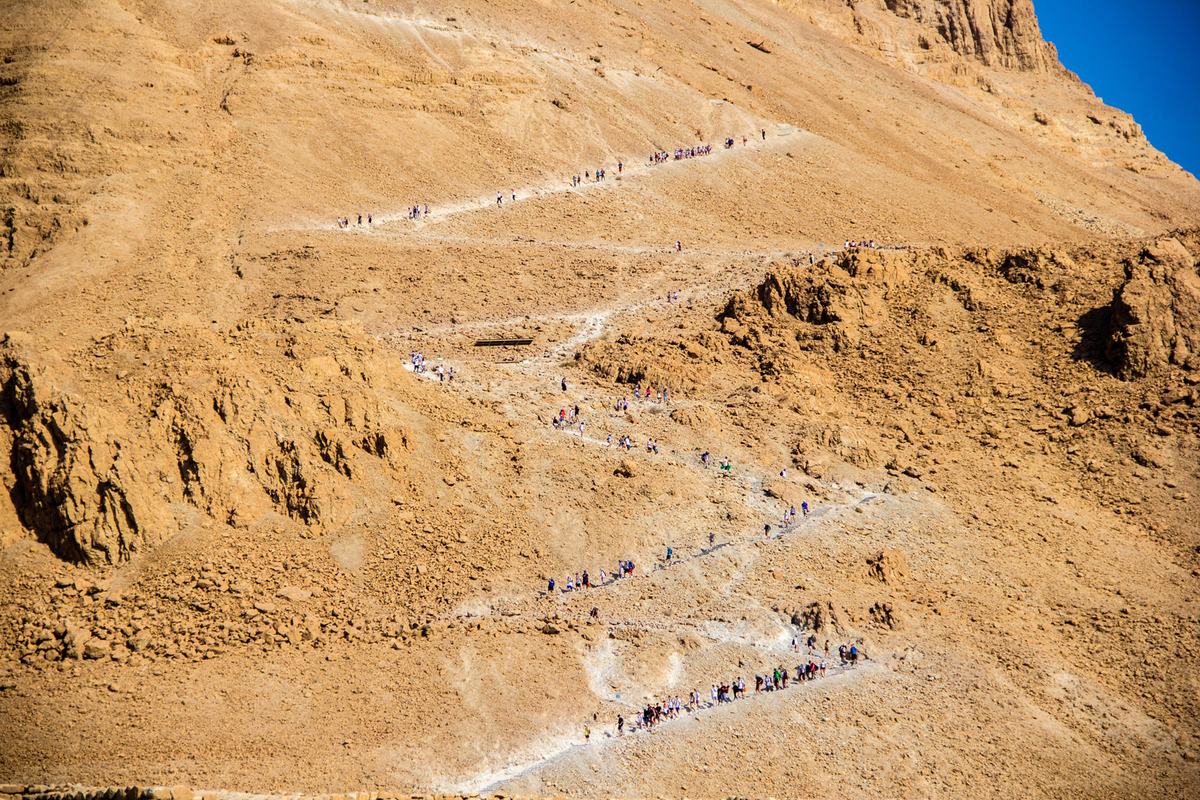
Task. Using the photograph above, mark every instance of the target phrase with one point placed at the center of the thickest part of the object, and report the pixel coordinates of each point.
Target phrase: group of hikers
(725, 466)
(599, 175)
(578, 582)
(681, 154)
(344, 222)
(419, 210)
(421, 367)
(776, 679)
(692, 152)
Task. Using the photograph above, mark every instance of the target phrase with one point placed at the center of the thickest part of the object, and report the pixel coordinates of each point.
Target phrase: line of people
(344, 222)
(579, 582)
(421, 367)
(595, 177)
(673, 706)
(681, 154)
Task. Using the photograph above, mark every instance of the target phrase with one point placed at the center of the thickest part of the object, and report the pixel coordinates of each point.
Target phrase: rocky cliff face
(82, 478)
(998, 33)
(99, 476)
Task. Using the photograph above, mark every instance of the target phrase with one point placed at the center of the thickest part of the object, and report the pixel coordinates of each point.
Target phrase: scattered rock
(626, 469)
(888, 566)
(97, 648)
(140, 641)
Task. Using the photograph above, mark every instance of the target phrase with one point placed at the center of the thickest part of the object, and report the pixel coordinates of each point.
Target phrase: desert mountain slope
(247, 546)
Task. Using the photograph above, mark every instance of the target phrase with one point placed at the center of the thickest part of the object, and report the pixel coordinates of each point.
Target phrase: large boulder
(1155, 319)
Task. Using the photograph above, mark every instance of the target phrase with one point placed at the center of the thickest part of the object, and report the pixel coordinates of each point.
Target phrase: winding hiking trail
(784, 134)
(821, 521)
(541, 368)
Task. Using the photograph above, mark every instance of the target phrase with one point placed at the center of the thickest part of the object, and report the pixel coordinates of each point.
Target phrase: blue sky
(1142, 57)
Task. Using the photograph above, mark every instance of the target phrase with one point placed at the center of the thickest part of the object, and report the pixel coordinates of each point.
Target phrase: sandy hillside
(246, 546)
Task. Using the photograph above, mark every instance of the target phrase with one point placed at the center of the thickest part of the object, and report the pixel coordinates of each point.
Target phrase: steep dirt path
(836, 675)
(784, 135)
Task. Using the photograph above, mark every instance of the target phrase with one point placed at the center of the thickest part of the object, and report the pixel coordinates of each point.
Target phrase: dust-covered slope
(247, 545)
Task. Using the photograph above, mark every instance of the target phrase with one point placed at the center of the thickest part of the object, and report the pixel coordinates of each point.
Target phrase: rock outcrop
(840, 298)
(1002, 33)
(1155, 319)
(96, 476)
(82, 477)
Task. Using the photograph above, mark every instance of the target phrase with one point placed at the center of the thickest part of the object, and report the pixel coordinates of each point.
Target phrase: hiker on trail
(670, 550)
(783, 473)
(360, 219)
(714, 696)
(603, 578)
(570, 584)
(608, 441)
(595, 613)
(587, 583)
(368, 219)
(804, 507)
(587, 733)
(842, 652)
(550, 587)
(854, 655)
(620, 167)
(822, 668)
(711, 537)
(678, 247)
(704, 459)
(564, 384)
(514, 195)
(795, 644)
(764, 134)
(499, 198)
(620, 725)
(767, 530)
